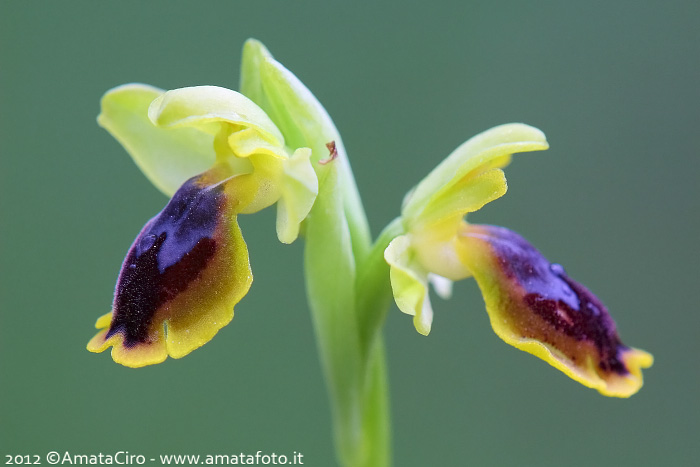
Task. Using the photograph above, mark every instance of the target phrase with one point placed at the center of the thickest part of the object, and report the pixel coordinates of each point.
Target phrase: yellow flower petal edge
(167, 156)
(434, 232)
(467, 195)
(199, 105)
(181, 278)
(298, 191)
(487, 150)
(409, 284)
(533, 305)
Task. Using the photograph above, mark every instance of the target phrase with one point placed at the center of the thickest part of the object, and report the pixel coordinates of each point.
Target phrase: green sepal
(167, 156)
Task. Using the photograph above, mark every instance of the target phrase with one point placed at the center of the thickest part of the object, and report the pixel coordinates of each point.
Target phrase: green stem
(348, 307)
(374, 296)
(376, 420)
(373, 300)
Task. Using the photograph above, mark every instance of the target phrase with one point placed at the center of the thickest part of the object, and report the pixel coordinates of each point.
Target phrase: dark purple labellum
(566, 306)
(171, 251)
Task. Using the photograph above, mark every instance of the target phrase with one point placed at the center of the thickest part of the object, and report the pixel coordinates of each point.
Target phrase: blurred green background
(614, 85)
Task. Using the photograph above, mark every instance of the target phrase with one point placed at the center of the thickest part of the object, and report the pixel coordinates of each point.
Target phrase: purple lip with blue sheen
(171, 251)
(564, 307)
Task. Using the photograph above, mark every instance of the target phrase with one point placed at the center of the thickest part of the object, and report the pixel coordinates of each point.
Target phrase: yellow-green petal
(409, 283)
(248, 142)
(490, 149)
(289, 181)
(298, 189)
(167, 156)
(434, 233)
(200, 106)
(469, 194)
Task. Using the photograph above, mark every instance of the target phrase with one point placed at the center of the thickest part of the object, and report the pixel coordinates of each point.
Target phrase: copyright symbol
(53, 457)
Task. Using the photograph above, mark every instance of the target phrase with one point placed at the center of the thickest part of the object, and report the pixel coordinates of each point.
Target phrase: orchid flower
(533, 304)
(219, 153)
(189, 267)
